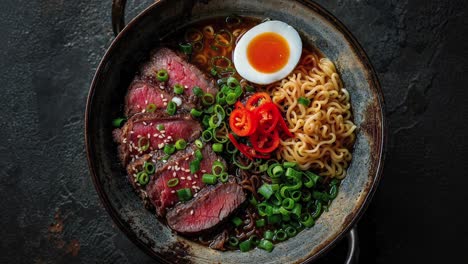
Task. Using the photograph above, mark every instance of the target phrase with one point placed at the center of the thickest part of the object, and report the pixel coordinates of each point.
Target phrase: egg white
(247, 71)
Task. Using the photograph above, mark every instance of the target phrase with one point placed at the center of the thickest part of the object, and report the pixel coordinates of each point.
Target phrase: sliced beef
(178, 166)
(143, 93)
(179, 70)
(143, 129)
(212, 205)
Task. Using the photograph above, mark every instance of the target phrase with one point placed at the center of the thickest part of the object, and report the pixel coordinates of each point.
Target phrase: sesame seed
(164, 161)
(174, 174)
(131, 132)
(139, 136)
(165, 104)
(191, 212)
(146, 101)
(155, 135)
(182, 178)
(172, 191)
(186, 158)
(163, 131)
(193, 183)
(169, 167)
(161, 145)
(169, 137)
(204, 171)
(144, 110)
(164, 100)
(189, 178)
(195, 176)
(162, 96)
(149, 135)
(160, 136)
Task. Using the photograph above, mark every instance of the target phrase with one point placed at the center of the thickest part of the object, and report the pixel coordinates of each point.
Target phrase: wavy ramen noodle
(324, 131)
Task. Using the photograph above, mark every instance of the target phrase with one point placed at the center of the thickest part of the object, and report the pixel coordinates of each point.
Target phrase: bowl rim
(372, 79)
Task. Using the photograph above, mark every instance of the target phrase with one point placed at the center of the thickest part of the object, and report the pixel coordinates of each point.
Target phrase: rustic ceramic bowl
(131, 47)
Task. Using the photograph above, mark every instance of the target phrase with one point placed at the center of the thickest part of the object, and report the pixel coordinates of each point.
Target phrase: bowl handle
(353, 247)
(118, 15)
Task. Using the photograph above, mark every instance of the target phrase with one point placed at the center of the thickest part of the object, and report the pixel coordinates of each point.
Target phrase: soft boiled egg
(267, 52)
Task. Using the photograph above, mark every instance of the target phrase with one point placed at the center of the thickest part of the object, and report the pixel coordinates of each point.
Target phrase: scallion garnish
(186, 48)
(180, 144)
(149, 167)
(280, 235)
(178, 89)
(197, 91)
(303, 101)
(209, 178)
(236, 221)
(265, 190)
(231, 98)
(169, 149)
(162, 75)
(173, 182)
(217, 147)
(224, 177)
(195, 113)
(233, 241)
(245, 246)
(199, 143)
(160, 127)
(150, 108)
(207, 135)
(142, 178)
(143, 143)
(268, 235)
(266, 245)
(171, 108)
(260, 222)
(208, 99)
(307, 220)
(184, 194)
(118, 122)
(194, 166)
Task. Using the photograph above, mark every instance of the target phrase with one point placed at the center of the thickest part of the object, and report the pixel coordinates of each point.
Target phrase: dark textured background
(50, 211)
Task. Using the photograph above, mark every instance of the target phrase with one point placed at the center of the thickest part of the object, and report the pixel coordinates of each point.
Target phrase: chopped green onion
(277, 171)
(318, 209)
(268, 235)
(217, 168)
(263, 167)
(276, 199)
(290, 172)
(224, 177)
(266, 245)
(184, 194)
(118, 122)
(283, 211)
(209, 110)
(217, 147)
(297, 210)
(288, 203)
(217, 109)
(171, 108)
(233, 241)
(333, 192)
(289, 164)
(307, 220)
(143, 146)
(160, 127)
(231, 98)
(322, 196)
(221, 98)
(245, 245)
(199, 143)
(213, 71)
(142, 178)
(197, 91)
(220, 62)
(265, 190)
(296, 195)
(169, 149)
(215, 120)
(194, 166)
(312, 179)
(303, 101)
(232, 82)
(150, 108)
(236, 221)
(186, 48)
(208, 99)
(274, 219)
(306, 195)
(198, 154)
(173, 182)
(280, 235)
(260, 222)
(162, 75)
(178, 89)
(284, 191)
(255, 240)
(207, 135)
(291, 231)
(195, 113)
(149, 167)
(264, 209)
(206, 120)
(180, 144)
(209, 179)
(218, 42)
(253, 201)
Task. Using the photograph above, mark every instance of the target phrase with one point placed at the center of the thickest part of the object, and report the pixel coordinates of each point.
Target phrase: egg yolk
(268, 52)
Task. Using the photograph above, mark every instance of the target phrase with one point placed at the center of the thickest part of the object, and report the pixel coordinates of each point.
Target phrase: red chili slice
(267, 116)
(239, 105)
(257, 99)
(242, 122)
(265, 142)
(282, 124)
(239, 146)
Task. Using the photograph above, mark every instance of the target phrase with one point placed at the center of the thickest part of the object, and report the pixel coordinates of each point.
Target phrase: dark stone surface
(50, 211)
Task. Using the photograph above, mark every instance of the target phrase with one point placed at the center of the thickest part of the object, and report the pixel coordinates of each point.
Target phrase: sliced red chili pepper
(239, 105)
(267, 116)
(256, 100)
(265, 142)
(242, 122)
(282, 124)
(239, 146)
